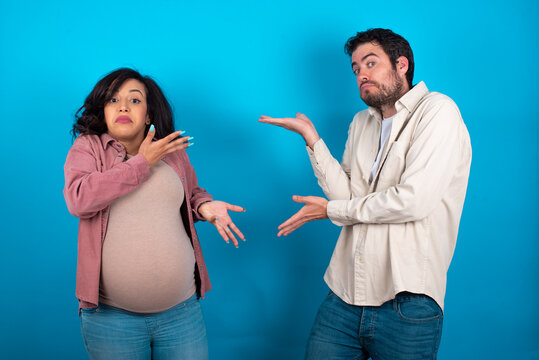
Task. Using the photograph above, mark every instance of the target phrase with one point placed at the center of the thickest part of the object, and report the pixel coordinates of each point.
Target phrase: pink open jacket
(95, 176)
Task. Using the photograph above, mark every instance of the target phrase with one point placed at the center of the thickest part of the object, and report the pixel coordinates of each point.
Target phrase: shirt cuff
(319, 154)
(142, 169)
(336, 211)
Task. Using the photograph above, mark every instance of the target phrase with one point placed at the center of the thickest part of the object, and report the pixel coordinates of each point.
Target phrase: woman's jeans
(407, 327)
(177, 333)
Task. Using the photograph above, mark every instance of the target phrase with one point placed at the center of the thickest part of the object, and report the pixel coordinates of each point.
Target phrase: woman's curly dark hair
(90, 118)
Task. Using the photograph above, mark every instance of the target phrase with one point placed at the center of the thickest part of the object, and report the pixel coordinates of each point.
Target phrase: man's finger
(270, 120)
(289, 229)
(300, 199)
(292, 219)
(301, 116)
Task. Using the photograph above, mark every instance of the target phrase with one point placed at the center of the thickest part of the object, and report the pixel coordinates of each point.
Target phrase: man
(398, 195)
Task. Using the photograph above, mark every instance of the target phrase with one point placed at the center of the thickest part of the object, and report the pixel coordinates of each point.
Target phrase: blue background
(222, 65)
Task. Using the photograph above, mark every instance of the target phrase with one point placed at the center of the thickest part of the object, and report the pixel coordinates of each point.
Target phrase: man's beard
(387, 95)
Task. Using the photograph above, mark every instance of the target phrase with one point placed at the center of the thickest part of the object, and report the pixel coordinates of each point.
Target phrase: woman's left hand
(216, 212)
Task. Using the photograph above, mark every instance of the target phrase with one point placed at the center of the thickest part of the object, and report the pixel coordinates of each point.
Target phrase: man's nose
(363, 75)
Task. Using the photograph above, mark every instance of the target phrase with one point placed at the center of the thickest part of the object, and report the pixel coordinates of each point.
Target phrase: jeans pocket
(418, 309)
(88, 311)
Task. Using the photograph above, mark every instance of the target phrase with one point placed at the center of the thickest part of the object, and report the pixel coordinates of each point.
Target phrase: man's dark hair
(393, 45)
(92, 119)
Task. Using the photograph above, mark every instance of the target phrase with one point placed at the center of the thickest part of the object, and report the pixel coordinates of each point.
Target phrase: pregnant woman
(140, 270)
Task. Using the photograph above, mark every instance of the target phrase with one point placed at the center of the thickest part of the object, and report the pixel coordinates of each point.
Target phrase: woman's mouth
(124, 119)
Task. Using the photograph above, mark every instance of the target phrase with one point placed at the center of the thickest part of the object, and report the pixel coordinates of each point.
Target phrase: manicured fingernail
(182, 132)
(152, 127)
(190, 144)
(190, 138)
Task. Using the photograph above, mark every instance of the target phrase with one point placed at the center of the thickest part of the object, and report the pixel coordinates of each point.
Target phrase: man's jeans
(177, 333)
(407, 327)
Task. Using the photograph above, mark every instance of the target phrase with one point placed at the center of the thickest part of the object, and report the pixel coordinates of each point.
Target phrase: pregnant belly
(147, 276)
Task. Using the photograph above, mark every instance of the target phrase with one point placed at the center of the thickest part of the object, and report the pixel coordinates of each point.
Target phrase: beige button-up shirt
(399, 231)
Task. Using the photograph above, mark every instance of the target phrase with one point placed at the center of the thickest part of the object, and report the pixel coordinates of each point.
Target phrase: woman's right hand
(155, 151)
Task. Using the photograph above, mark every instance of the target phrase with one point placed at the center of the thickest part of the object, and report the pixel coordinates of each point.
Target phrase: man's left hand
(315, 209)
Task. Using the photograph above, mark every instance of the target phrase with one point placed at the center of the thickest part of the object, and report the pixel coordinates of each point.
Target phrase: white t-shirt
(386, 129)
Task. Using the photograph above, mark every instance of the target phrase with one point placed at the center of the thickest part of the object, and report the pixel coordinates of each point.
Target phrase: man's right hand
(300, 124)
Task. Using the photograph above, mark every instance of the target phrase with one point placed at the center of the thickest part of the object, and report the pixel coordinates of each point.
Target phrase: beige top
(148, 261)
(398, 232)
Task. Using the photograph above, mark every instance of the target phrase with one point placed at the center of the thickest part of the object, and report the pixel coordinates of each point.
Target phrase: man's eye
(371, 63)
(356, 71)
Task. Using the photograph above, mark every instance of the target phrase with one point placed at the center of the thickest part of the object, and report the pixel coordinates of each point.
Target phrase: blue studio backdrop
(222, 65)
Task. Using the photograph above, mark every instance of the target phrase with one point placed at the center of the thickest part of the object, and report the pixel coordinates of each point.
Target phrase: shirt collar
(412, 97)
(408, 101)
(107, 140)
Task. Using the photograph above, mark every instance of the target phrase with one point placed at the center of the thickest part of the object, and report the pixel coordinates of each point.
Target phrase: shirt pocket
(394, 165)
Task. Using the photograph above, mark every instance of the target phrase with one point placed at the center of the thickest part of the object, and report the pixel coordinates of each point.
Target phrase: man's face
(380, 84)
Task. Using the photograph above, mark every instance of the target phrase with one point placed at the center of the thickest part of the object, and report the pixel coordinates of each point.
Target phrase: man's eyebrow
(369, 54)
(364, 57)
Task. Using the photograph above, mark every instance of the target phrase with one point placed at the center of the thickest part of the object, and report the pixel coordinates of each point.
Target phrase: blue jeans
(407, 327)
(177, 333)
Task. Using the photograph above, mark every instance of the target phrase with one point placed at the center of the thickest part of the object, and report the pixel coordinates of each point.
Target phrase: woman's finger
(231, 235)
(177, 142)
(221, 231)
(170, 137)
(236, 230)
(234, 208)
(149, 135)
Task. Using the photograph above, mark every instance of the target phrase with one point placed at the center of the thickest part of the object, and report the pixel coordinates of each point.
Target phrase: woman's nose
(124, 106)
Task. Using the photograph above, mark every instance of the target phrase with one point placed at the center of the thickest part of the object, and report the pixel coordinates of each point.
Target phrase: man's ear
(402, 65)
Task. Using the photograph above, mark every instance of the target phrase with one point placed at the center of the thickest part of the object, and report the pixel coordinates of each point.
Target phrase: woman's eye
(113, 100)
(135, 101)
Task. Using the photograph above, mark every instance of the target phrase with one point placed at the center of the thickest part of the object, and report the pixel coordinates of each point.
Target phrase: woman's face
(126, 114)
